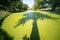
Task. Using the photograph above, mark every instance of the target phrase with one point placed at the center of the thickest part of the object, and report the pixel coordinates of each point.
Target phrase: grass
(48, 29)
(3, 14)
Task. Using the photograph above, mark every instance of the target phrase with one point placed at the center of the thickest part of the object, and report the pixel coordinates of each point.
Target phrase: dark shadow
(34, 16)
(1, 20)
(53, 12)
(45, 10)
(25, 37)
(35, 33)
(4, 35)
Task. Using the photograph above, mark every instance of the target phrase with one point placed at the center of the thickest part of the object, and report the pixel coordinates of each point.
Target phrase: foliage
(38, 4)
(54, 4)
(25, 7)
(11, 5)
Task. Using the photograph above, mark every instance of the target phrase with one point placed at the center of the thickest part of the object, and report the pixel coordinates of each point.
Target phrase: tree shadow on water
(35, 33)
(34, 16)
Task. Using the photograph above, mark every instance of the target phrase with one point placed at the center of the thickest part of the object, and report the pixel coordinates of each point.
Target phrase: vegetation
(45, 3)
(12, 5)
(25, 7)
(18, 5)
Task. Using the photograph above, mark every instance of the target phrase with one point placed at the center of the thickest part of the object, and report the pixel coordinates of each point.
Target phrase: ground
(49, 29)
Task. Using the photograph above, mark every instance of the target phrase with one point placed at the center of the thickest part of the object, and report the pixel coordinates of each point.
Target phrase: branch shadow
(34, 16)
(25, 37)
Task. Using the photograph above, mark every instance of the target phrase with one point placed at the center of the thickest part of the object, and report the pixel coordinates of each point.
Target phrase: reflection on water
(29, 11)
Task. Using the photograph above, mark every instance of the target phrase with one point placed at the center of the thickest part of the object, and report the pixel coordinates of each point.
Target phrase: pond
(32, 25)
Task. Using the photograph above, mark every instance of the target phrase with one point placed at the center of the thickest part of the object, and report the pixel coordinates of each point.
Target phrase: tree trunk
(54, 6)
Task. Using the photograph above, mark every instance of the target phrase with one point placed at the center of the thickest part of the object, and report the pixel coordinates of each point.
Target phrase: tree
(4, 4)
(42, 3)
(10, 4)
(25, 7)
(16, 5)
(54, 3)
(38, 4)
(34, 16)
